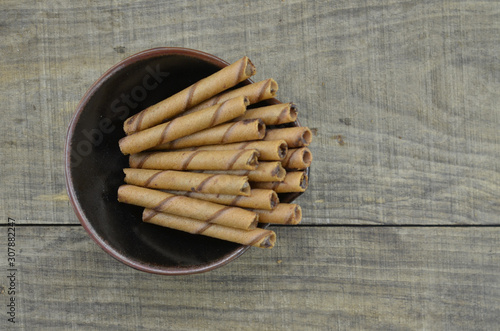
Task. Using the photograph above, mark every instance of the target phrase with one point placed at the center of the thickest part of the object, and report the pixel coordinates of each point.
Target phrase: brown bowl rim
(139, 265)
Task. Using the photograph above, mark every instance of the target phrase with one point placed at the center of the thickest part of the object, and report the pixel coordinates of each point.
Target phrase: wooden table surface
(401, 219)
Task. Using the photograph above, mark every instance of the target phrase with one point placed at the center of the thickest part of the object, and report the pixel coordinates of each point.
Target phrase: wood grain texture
(403, 99)
(403, 96)
(339, 278)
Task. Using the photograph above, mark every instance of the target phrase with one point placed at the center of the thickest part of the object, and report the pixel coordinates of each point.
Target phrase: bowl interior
(94, 164)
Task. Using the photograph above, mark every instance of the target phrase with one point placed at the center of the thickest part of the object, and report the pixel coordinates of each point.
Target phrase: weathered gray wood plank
(340, 278)
(403, 96)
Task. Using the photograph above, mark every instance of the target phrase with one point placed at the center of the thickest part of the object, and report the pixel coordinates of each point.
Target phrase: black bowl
(94, 164)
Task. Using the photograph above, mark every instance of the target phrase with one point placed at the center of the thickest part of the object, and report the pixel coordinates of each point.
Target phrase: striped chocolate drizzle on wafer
(232, 127)
(189, 97)
(211, 102)
(202, 228)
(151, 178)
(217, 214)
(137, 119)
(241, 72)
(216, 114)
(234, 159)
(204, 182)
(258, 238)
(164, 133)
(186, 162)
(262, 91)
(292, 155)
(164, 202)
(148, 214)
(215, 100)
(228, 131)
(283, 115)
(290, 218)
(143, 160)
(235, 200)
(245, 144)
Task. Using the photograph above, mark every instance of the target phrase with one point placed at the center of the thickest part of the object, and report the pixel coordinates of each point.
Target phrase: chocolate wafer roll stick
(258, 199)
(225, 133)
(183, 126)
(255, 92)
(272, 150)
(246, 159)
(272, 115)
(295, 181)
(284, 213)
(265, 172)
(205, 211)
(191, 96)
(298, 136)
(188, 181)
(297, 158)
(257, 237)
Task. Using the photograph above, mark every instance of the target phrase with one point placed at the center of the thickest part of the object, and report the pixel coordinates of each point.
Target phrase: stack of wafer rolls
(251, 129)
(215, 160)
(191, 96)
(183, 126)
(255, 92)
(271, 150)
(188, 181)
